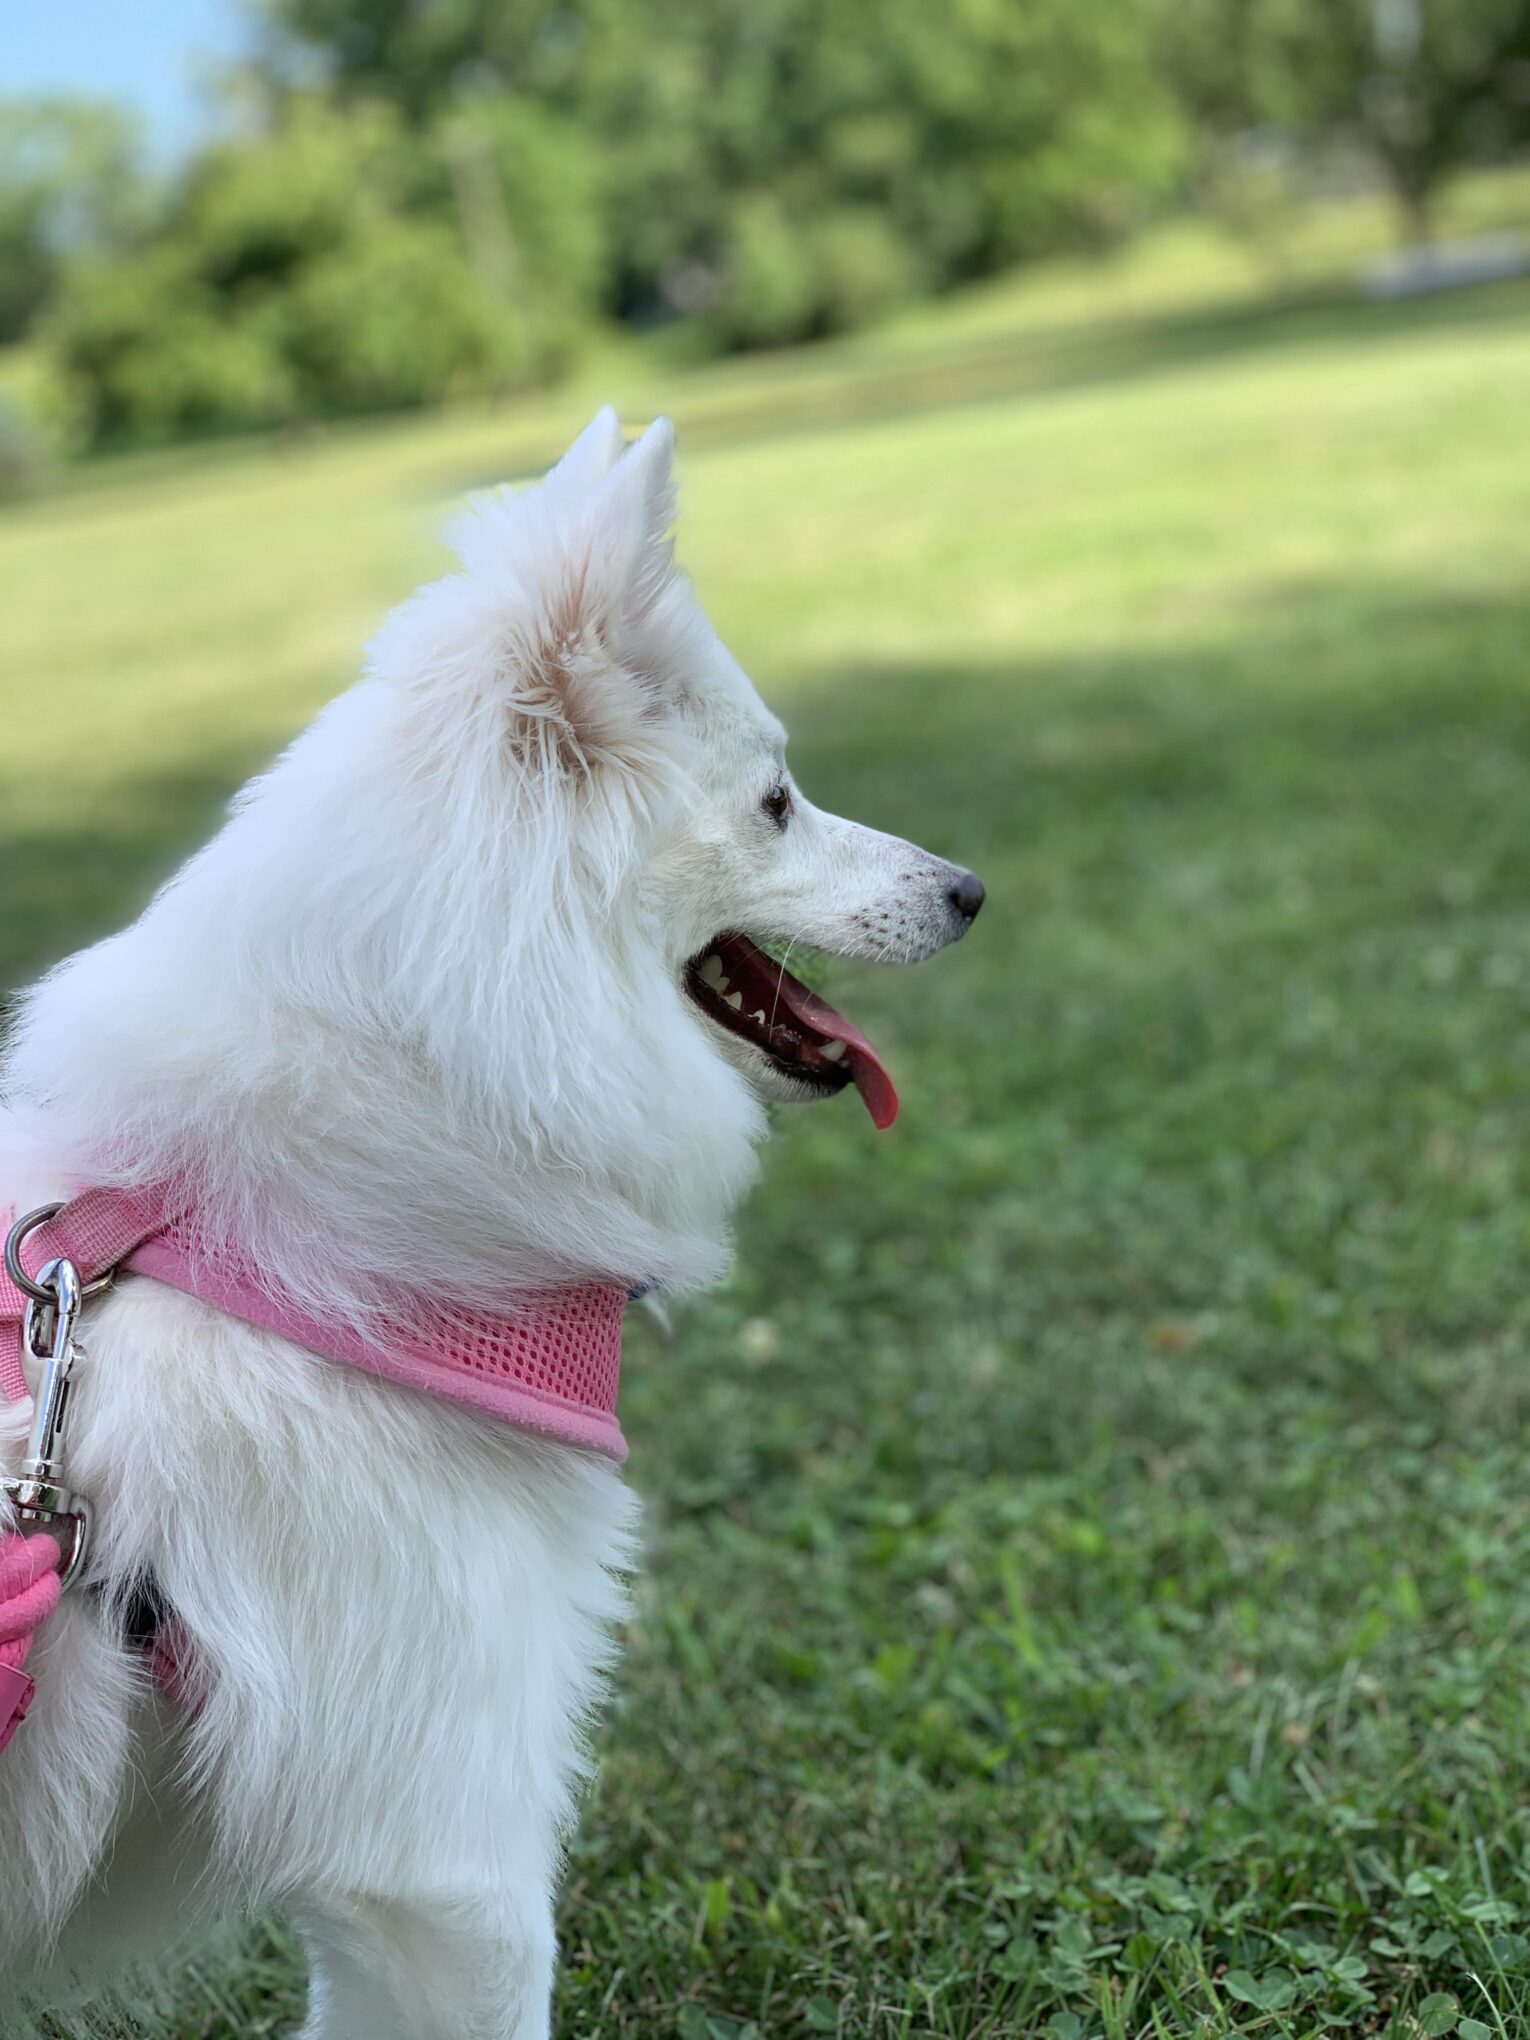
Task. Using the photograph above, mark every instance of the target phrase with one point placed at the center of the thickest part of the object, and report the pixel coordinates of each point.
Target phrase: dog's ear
(589, 460)
(597, 671)
(624, 530)
(570, 617)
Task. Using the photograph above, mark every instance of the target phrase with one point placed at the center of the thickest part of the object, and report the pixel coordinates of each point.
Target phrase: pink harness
(552, 1365)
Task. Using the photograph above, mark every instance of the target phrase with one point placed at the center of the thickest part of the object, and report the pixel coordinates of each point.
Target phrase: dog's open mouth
(742, 989)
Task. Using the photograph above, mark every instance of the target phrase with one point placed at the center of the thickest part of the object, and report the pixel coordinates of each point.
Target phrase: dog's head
(472, 990)
(619, 710)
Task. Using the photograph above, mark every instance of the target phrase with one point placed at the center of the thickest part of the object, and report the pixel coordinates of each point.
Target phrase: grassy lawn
(1087, 1537)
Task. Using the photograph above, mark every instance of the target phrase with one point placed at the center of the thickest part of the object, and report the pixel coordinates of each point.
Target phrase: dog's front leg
(429, 1969)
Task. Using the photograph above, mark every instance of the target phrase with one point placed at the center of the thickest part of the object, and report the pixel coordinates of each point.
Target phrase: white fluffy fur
(415, 1016)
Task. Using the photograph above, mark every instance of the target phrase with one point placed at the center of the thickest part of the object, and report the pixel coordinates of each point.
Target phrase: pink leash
(29, 1591)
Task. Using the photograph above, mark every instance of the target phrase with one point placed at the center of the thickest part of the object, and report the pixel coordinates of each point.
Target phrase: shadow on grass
(74, 881)
(1372, 694)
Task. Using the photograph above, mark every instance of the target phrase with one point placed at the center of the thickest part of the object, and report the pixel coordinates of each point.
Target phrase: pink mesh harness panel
(550, 1364)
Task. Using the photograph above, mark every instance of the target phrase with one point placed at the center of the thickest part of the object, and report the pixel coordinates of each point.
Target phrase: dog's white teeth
(760, 1016)
(734, 999)
(832, 1051)
(712, 974)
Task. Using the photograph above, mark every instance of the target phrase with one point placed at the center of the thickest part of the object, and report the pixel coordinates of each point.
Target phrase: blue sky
(154, 55)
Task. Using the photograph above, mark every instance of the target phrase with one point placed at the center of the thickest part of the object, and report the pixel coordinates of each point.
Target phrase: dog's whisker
(780, 974)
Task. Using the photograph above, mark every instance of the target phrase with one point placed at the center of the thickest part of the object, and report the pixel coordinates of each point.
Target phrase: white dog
(459, 1002)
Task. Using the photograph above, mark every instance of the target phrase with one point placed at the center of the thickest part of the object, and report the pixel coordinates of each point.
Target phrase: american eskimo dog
(464, 1000)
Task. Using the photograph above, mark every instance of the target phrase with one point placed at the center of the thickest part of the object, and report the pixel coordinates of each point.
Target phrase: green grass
(1088, 1537)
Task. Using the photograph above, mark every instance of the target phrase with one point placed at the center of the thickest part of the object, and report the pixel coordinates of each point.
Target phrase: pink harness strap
(551, 1365)
(96, 1230)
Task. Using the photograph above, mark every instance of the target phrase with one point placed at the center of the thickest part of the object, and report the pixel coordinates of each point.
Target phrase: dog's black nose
(967, 896)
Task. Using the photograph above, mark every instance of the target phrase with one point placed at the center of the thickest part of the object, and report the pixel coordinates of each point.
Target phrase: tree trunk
(1417, 203)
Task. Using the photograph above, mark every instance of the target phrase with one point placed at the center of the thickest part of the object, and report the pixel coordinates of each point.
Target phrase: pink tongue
(878, 1093)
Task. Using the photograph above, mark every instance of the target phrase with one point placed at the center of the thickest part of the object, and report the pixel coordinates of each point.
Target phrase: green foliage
(258, 211)
(777, 170)
(419, 57)
(546, 186)
(1432, 83)
(802, 165)
(1084, 1581)
(525, 186)
(859, 265)
(769, 294)
(149, 353)
(23, 454)
(394, 318)
(1426, 85)
(784, 280)
(69, 185)
(308, 272)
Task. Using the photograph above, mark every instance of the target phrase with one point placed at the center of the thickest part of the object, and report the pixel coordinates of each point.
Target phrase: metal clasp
(39, 1493)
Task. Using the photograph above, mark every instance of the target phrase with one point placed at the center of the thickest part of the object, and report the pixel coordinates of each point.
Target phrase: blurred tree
(525, 188)
(70, 184)
(147, 353)
(1430, 83)
(317, 268)
(1426, 85)
(432, 195)
(788, 164)
(396, 317)
(253, 212)
(420, 56)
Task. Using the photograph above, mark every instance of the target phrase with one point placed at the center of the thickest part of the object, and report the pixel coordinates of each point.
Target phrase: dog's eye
(778, 804)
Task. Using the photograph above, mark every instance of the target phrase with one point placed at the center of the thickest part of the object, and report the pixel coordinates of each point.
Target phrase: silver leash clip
(39, 1492)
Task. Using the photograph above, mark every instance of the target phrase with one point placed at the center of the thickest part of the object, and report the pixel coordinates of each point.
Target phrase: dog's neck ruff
(550, 1363)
